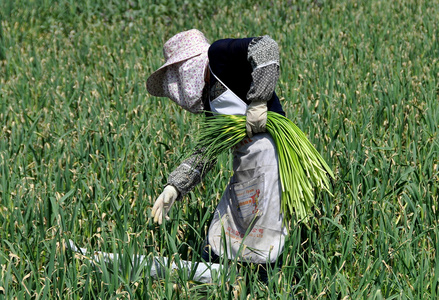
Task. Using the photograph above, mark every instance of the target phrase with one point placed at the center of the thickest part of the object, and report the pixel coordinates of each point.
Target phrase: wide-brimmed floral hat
(181, 78)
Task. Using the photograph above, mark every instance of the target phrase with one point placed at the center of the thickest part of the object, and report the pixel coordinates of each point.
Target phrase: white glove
(256, 117)
(164, 203)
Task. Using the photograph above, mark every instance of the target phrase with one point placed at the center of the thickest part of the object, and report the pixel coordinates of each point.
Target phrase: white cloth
(249, 215)
(157, 265)
(228, 103)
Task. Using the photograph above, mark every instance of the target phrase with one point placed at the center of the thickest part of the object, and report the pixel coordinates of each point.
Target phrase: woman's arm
(263, 55)
(190, 173)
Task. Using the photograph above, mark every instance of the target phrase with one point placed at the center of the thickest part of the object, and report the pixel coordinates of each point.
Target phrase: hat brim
(154, 83)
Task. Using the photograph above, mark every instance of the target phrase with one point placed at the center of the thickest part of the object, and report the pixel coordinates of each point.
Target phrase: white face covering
(184, 82)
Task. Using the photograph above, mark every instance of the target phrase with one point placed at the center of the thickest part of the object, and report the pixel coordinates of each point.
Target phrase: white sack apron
(248, 218)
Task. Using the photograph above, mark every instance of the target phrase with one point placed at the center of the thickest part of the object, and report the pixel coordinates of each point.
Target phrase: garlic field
(85, 150)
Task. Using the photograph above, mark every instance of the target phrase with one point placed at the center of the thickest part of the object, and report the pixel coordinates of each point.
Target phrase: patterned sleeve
(190, 173)
(263, 55)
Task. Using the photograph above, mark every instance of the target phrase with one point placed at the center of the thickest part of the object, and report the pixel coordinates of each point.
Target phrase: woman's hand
(256, 117)
(164, 203)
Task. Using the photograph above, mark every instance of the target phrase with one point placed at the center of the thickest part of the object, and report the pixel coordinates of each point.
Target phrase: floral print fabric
(181, 78)
(184, 83)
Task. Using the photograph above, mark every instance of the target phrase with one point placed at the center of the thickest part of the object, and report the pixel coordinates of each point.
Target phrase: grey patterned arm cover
(263, 55)
(190, 173)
